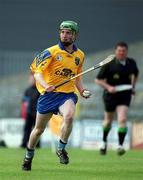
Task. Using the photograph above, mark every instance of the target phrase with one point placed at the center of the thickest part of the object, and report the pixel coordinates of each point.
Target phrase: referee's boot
(120, 151)
(27, 163)
(103, 149)
(63, 156)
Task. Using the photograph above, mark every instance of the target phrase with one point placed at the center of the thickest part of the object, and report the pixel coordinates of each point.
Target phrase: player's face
(121, 52)
(67, 37)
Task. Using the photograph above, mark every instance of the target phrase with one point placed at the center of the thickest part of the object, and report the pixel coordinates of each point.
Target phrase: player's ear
(59, 32)
(75, 36)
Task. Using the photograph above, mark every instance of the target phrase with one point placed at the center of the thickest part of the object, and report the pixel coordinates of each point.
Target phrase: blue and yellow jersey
(57, 65)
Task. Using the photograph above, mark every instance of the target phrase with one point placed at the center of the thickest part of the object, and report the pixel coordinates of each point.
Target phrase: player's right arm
(101, 80)
(40, 63)
(105, 85)
(39, 78)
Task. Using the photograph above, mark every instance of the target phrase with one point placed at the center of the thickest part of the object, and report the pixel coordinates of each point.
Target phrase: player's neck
(69, 48)
(122, 61)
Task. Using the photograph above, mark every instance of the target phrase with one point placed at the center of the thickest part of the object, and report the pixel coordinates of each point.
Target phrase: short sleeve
(103, 73)
(80, 68)
(81, 64)
(41, 62)
(135, 69)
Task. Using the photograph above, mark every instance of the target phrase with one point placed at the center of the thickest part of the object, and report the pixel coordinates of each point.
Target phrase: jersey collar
(119, 62)
(63, 48)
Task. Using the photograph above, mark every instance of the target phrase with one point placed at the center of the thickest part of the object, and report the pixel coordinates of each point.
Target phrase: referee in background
(121, 71)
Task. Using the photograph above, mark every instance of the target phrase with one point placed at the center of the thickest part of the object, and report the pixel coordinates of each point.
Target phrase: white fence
(86, 134)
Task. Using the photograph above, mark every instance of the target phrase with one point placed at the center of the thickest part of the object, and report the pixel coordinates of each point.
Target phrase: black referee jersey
(117, 73)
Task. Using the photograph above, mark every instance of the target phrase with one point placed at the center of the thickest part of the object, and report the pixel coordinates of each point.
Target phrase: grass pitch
(84, 165)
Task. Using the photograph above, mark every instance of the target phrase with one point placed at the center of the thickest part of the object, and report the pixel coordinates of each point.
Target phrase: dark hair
(121, 44)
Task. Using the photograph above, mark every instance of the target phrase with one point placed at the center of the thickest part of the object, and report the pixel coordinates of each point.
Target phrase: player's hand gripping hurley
(102, 63)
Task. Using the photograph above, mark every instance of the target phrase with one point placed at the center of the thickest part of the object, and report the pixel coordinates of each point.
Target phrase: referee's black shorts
(111, 101)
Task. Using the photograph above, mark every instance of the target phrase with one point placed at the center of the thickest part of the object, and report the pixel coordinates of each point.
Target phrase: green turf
(84, 165)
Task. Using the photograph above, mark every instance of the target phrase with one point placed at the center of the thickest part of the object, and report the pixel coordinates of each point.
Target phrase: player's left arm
(134, 76)
(79, 85)
(134, 80)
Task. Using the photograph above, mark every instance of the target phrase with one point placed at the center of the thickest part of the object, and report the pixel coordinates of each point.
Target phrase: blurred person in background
(28, 110)
(2, 143)
(51, 67)
(121, 71)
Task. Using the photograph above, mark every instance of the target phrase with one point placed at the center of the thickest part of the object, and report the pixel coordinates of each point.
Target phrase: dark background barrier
(33, 24)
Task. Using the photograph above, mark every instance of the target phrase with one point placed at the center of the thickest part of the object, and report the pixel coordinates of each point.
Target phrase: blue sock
(29, 153)
(61, 145)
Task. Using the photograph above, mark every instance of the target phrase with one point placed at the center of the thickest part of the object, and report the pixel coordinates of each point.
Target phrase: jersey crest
(77, 61)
